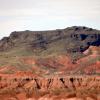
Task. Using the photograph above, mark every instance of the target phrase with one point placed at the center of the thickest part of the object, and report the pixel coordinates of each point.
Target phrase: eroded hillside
(29, 87)
(61, 64)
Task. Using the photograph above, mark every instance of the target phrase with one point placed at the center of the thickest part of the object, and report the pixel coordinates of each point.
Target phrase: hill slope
(51, 65)
(73, 39)
(56, 51)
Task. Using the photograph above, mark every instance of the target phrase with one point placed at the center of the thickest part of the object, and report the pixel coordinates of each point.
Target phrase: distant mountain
(46, 46)
(72, 39)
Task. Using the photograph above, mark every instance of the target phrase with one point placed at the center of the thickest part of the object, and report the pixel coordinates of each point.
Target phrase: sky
(20, 15)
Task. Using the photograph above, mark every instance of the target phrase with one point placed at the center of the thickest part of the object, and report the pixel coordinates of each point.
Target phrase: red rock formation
(29, 86)
(40, 83)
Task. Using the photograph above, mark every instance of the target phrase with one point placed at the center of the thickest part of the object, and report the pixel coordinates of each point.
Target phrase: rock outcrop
(74, 39)
(62, 87)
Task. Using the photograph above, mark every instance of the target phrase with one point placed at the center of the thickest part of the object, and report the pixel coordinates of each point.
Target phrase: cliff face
(62, 87)
(74, 39)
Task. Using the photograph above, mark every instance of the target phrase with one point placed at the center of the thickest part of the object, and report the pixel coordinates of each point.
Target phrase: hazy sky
(17, 15)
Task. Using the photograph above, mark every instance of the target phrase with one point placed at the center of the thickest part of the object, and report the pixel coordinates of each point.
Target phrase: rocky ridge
(73, 39)
(61, 64)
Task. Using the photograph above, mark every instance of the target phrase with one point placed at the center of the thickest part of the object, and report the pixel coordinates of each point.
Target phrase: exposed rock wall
(56, 88)
(75, 39)
(68, 82)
